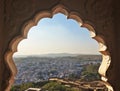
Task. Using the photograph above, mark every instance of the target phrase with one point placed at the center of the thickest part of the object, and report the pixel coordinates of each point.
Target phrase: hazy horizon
(57, 35)
(56, 55)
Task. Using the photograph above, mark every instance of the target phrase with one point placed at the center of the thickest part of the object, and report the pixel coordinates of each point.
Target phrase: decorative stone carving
(21, 15)
(60, 8)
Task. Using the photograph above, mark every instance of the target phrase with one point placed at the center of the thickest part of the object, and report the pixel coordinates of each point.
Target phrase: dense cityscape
(37, 68)
(58, 72)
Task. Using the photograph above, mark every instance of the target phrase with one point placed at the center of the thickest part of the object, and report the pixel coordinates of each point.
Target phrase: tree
(90, 73)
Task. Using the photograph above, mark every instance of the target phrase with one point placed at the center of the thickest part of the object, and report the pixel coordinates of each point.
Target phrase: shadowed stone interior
(100, 17)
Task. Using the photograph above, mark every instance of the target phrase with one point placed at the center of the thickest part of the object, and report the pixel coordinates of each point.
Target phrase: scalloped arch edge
(70, 15)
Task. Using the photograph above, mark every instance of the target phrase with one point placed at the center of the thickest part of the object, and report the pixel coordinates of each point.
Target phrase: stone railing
(94, 85)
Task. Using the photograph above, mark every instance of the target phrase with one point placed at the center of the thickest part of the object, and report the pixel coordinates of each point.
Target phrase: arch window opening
(59, 55)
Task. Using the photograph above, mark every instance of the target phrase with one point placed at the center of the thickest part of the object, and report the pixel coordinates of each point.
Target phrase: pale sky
(57, 35)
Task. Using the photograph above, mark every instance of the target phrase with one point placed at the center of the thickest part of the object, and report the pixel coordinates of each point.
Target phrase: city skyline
(57, 35)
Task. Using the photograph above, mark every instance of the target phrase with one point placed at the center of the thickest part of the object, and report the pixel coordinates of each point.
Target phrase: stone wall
(102, 15)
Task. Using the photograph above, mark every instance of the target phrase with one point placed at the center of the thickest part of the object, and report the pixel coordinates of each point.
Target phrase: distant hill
(57, 55)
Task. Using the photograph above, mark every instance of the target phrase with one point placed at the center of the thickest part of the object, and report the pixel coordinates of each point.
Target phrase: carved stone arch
(106, 59)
